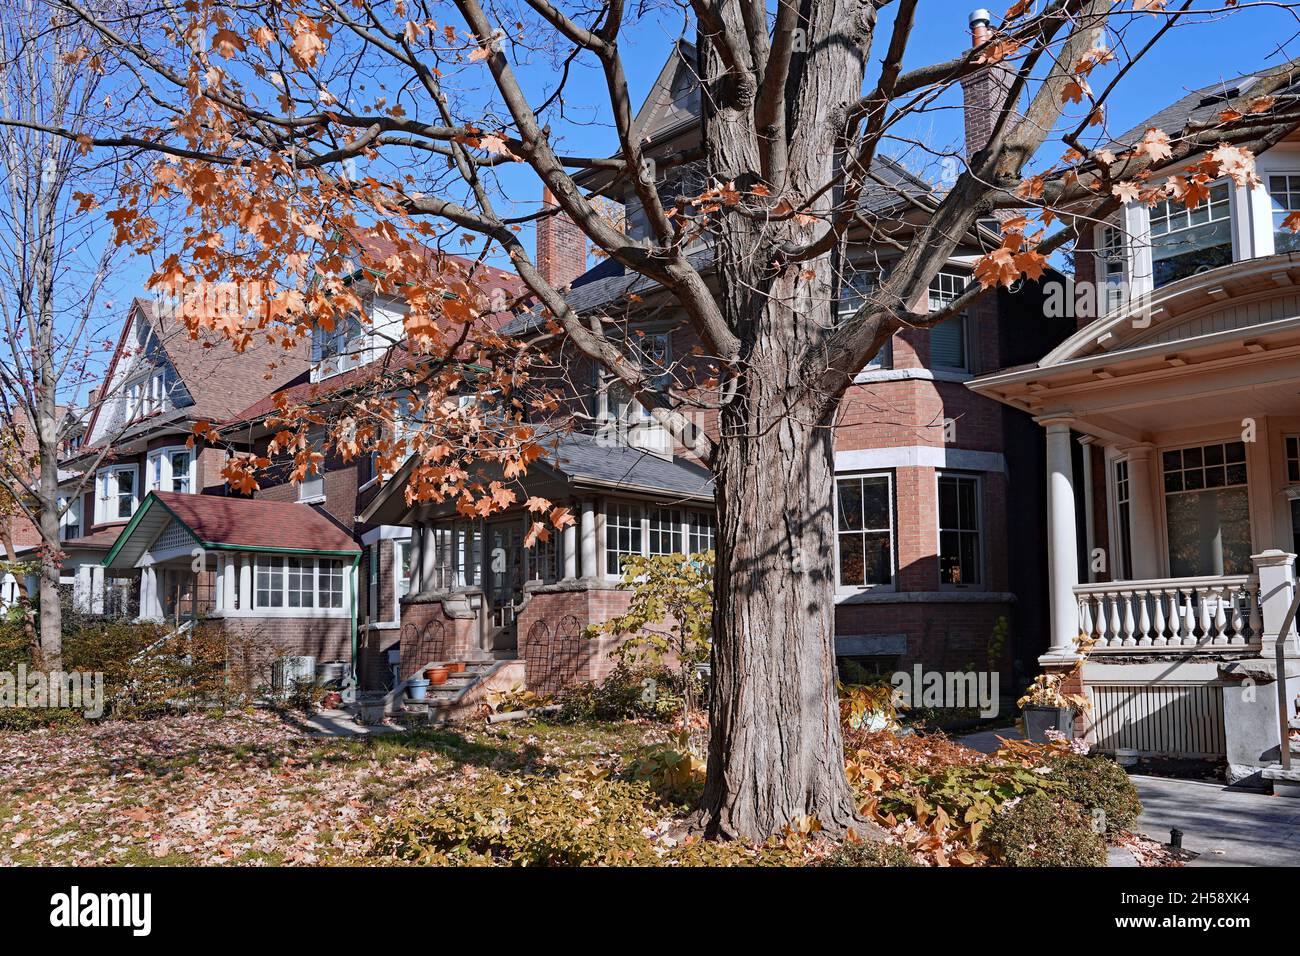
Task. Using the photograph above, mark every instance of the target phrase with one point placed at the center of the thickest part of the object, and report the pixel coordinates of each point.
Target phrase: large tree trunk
(776, 752)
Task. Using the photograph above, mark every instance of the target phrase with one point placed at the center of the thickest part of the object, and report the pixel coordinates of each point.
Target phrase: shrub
(1042, 830)
(861, 853)
(537, 821)
(670, 770)
(629, 691)
(1097, 783)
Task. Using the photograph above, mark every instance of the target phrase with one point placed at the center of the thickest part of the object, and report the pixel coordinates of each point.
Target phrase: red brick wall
(561, 247)
(552, 640)
(941, 636)
(430, 634)
(257, 641)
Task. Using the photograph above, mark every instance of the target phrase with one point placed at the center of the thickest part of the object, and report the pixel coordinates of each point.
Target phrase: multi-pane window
(1186, 241)
(70, 518)
(959, 531)
(699, 532)
(115, 498)
(1285, 193)
(1207, 509)
(1112, 259)
(542, 559)
(1123, 499)
(169, 469)
(665, 531)
(312, 486)
(622, 534)
(856, 287)
(269, 582)
(948, 338)
(864, 517)
(180, 462)
(299, 583)
(372, 580)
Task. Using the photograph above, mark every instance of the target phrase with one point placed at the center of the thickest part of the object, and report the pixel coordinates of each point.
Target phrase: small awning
(230, 524)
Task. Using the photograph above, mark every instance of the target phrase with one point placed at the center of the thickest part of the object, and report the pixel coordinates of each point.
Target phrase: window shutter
(948, 343)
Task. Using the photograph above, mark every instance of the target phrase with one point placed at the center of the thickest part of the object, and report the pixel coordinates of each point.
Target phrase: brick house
(1173, 454)
(933, 564)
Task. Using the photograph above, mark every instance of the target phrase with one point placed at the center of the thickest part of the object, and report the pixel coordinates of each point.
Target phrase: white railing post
(1276, 571)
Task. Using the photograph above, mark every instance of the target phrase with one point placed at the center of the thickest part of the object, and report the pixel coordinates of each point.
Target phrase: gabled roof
(230, 524)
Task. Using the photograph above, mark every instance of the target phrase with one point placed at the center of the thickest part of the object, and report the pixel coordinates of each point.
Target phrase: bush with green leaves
(576, 819)
(860, 853)
(630, 690)
(1045, 830)
(1095, 783)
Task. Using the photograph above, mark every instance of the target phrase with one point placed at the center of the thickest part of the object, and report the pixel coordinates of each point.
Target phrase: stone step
(1286, 783)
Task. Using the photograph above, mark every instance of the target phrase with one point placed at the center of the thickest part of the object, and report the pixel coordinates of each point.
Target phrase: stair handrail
(1279, 648)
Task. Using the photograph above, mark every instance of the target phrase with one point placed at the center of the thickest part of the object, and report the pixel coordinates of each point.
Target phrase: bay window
(115, 498)
(1207, 510)
(864, 522)
(169, 470)
(648, 530)
(699, 532)
(1186, 241)
(665, 527)
(622, 535)
(1112, 263)
(298, 583)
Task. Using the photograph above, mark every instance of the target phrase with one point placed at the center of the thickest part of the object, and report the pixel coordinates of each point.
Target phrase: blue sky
(1190, 57)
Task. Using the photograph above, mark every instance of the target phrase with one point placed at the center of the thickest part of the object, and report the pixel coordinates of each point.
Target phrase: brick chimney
(983, 93)
(561, 246)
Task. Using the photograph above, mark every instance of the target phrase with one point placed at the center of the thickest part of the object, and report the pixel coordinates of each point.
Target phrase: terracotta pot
(458, 667)
(436, 675)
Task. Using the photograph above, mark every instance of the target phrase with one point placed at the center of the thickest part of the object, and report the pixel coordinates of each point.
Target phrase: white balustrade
(1171, 613)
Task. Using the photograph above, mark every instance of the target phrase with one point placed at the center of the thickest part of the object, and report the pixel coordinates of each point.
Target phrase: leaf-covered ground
(252, 788)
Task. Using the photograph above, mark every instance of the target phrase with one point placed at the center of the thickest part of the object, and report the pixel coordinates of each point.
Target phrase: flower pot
(457, 667)
(417, 688)
(1039, 720)
(437, 675)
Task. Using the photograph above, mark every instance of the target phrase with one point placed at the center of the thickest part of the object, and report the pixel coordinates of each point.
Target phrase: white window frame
(311, 490)
(1292, 175)
(841, 588)
(641, 514)
(73, 511)
(159, 468)
(1116, 294)
(1234, 240)
(1162, 496)
(106, 479)
(980, 529)
(256, 608)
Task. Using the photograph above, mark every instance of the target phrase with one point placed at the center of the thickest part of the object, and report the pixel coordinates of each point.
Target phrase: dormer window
(339, 349)
(624, 420)
(1187, 241)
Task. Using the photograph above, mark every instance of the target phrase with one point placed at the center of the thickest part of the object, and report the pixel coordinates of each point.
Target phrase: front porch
(1173, 459)
(476, 593)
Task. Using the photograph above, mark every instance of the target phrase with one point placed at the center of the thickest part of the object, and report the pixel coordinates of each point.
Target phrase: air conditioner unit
(288, 672)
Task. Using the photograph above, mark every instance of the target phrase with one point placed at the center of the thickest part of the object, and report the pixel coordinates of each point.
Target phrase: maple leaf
(309, 38)
(1149, 6)
(1075, 90)
(1236, 163)
(1292, 222)
(1154, 145)
(1261, 104)
(227, 43)
(1126, 191)
(996, 268)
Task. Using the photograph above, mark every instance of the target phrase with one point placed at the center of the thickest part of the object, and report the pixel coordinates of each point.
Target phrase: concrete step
(1286, 783)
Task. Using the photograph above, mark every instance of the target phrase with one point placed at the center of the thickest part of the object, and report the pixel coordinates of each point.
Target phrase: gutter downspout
(352, 614)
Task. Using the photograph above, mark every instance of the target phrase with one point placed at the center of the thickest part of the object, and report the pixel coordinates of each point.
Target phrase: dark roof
(586, 458)
(1199, 105)
(99, 541)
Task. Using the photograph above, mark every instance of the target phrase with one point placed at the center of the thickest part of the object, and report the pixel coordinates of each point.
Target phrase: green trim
(356, 583)
(252, 548)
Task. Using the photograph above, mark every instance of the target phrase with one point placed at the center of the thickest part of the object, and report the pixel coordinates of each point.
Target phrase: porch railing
(1171, 612)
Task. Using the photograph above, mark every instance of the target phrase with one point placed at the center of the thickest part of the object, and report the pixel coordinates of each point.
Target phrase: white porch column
(571, 550)
(589, 569)
(219, 585)
(149, 609)
(81, 589)
(1141, 510)
(230, 583)
(417, 540)
(97, 589)
(1062, 543)
(1089, 534)
(245, 582)
(428, 556)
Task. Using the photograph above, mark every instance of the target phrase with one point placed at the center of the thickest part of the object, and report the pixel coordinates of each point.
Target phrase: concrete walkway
(1225, 827)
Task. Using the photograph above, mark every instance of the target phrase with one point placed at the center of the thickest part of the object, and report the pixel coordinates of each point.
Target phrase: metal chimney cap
(980, 16)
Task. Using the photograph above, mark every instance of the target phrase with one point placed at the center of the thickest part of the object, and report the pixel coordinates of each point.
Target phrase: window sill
(314, 500)
(302, 613)
(874, 376)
